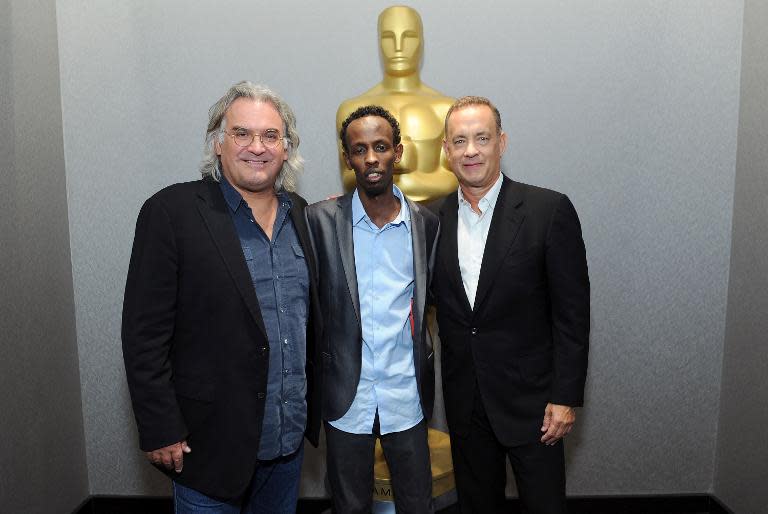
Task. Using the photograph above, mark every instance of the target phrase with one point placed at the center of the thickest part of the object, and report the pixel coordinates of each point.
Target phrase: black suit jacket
(194, 342)
(524, 343)
(330, 225)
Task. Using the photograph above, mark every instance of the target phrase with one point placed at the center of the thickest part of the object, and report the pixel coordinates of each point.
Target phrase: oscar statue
(422, 173)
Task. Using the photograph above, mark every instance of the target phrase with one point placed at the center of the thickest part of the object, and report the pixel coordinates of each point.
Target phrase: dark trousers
(481, 474)
(350, 469)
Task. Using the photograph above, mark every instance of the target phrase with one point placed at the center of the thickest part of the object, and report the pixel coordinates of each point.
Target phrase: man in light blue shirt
(375, 250)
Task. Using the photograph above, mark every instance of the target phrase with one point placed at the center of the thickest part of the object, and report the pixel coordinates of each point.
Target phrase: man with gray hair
(220, 317)
(512, 294)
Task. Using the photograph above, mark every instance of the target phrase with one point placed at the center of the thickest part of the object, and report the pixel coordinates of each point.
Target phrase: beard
(373, 189)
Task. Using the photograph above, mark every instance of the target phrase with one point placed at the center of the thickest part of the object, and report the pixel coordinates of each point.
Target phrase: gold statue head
(400, 40)
(422, 172)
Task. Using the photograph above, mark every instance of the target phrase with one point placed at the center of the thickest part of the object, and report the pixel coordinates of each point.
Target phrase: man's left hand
(558, 421)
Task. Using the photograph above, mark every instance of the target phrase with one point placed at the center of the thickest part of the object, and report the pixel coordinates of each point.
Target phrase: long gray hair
(211, 165)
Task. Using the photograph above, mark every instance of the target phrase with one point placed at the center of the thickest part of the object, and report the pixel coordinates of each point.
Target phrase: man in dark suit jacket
(219, 317)
(374, 249)
(512, 295)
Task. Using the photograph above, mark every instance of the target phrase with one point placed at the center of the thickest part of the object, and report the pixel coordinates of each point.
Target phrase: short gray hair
(469, 101)
(211, 164)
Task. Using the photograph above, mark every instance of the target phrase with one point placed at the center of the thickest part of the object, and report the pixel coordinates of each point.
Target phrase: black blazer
(330, 225)
(525, 341)
(194, 342)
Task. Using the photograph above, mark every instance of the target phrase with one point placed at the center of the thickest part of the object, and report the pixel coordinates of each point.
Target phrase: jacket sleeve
(568, 283)
(149, 311)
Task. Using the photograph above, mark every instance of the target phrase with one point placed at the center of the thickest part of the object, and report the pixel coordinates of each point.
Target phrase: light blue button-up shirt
(471, 233)
(385, 280)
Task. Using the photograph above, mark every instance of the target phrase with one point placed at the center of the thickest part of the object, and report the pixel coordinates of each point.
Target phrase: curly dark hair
(370, 110)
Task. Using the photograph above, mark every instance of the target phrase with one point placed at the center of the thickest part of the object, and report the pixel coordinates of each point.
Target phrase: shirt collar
(234, 199)
(487, 202)
(231, 196)
(359, 214)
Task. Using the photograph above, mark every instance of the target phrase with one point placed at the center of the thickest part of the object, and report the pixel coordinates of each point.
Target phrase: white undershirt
(471, 233)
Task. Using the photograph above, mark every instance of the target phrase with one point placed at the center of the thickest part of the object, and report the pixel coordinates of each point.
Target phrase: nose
(399, 42)
(370, 158)
(470, 150)
(256, 145)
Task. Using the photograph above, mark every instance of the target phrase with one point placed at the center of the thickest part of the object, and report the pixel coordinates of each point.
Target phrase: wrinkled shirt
(280, 279)
(385, 281)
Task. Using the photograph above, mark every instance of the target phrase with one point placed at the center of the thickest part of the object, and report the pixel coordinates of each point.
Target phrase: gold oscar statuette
(423, 172)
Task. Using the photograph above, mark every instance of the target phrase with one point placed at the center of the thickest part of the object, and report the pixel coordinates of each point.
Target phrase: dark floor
(657, 505)
(670, 504)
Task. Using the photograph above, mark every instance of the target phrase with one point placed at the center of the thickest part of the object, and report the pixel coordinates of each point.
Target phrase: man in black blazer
(512, 295)
(375, 249)
(220, 317)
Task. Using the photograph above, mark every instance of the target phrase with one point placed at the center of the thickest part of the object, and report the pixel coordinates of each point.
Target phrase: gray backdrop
(42, 448)
(631, 108)
(742, 453)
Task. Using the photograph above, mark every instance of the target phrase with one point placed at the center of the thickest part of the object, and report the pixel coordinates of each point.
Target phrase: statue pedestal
(443, 483)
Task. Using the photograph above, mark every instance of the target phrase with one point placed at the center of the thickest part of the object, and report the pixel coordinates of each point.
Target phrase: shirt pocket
(296, 264)
(258, 265)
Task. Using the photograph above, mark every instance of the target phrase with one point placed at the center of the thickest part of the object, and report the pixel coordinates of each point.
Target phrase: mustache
(368, 171)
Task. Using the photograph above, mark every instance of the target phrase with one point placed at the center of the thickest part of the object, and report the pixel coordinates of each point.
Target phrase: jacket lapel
(505, 224)
(449, 248)
(213, 209)
(420, 268)
(347, 249)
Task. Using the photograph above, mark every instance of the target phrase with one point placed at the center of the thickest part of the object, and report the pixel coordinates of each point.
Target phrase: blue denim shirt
(385, 280)
(281, 280)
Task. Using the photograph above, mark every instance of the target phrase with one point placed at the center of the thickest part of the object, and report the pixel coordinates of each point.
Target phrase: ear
(503, 142)
(445, 146)
(398, 152)
(346, 161)
(217, 146)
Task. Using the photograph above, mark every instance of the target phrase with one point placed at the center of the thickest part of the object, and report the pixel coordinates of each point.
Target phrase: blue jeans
(274, 489)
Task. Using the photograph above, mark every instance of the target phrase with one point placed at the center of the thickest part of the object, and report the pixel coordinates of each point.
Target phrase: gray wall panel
(631, 108)
(42, 445)
(742, 456)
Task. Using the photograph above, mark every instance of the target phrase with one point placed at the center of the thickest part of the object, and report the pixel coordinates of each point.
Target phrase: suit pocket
(524, 259)
(193, 389)
(326, 365)
(195, 400)
(536, 370)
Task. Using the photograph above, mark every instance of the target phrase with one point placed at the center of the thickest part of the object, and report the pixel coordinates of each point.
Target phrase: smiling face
(371, 154)
(474, 147)
(254, 168)
(400, 36)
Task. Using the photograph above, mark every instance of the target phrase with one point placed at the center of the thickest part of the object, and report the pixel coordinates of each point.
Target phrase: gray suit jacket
(330, 227)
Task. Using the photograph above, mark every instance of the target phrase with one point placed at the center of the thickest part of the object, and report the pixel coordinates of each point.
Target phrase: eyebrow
(374, 142)
(238, 127)
(478, 133)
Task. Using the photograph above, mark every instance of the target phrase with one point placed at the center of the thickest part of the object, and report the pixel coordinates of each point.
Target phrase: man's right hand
(172, 456)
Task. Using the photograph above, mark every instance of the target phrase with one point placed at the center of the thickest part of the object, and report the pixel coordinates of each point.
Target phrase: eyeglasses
(269, 138)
